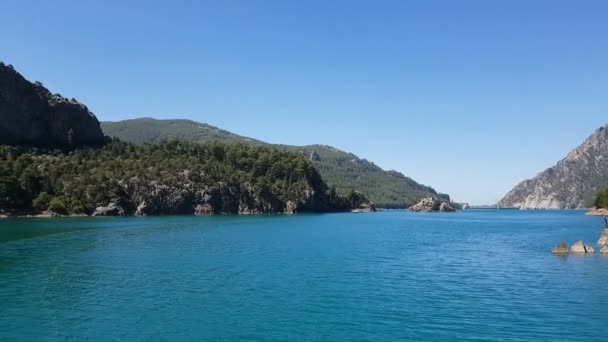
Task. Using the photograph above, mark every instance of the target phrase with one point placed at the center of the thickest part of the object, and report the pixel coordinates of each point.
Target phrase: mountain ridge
(571, 183)
(344, 170)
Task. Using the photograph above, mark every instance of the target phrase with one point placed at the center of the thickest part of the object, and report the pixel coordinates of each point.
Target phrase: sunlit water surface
(473, 275)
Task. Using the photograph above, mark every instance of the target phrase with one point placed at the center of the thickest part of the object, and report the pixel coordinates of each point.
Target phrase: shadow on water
(27, 228)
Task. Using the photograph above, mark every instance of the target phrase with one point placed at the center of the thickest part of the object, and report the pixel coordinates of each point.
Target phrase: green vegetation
(152, 131)
(601, 200)
(342, 170)
(168, 178)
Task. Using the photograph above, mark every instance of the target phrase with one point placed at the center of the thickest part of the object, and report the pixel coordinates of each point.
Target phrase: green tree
(42, 202)
(601, 200)
(57, 205)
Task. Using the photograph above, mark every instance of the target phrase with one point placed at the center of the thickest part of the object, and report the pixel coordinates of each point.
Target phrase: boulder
(604, 250)
(603, 239)
(561, 248)
(431, 204)
(579, 248)
(111, 210)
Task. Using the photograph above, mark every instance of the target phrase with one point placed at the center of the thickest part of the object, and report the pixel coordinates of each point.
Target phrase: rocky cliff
(31, 115)
(571, 183)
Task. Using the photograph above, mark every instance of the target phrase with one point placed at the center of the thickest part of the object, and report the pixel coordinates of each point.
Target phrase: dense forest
(167, 178)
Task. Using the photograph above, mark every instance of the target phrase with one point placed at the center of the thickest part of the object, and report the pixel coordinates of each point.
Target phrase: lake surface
(394, 275)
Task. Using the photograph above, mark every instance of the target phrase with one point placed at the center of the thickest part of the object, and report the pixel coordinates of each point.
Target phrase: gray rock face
(579, 248)
(30, 115)
(432, 205)
(111, 209)
(571, 183)
(562, 248)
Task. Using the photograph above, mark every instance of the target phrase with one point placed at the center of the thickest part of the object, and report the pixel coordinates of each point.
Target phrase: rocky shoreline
(581, 248)
(598, 212)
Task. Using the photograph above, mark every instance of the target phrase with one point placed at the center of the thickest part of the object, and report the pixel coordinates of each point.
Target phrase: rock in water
(31, 115)
(431, 204)
(603, 239)
(561, 248)
(580, 247)
(604, 250)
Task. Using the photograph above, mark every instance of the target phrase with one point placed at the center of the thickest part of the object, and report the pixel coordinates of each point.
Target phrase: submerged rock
(561, 248)
(579, 247)
(431, 204)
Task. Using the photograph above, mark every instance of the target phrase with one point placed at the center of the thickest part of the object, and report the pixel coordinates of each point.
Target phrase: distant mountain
(31, 115)
(572, 183)
(152, 131)
(344, 170)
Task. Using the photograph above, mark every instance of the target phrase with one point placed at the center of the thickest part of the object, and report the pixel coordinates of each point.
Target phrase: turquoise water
(474, 275)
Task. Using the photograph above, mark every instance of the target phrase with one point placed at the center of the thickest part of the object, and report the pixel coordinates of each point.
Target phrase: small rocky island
(430, 204)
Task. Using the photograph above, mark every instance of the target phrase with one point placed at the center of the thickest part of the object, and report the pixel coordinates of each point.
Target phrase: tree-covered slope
(152, 131)
(342, 170)
(166, 178)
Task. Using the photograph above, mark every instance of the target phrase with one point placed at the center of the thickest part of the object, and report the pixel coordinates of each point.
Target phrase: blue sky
(469, 97)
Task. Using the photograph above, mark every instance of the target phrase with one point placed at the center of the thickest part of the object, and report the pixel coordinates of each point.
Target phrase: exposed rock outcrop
(604, 250)
(604, 238)
(561, 248)
(31, 115)
(579, 247)
(111, 209)
(365, 208)
(431, 204)
(598, 212)
(572, 183)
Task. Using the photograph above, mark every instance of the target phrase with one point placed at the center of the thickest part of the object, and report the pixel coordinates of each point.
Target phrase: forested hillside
(344, 170)
(168, 178)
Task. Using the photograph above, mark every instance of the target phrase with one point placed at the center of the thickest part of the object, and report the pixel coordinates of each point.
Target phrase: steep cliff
(31, 115)
(571, 183)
